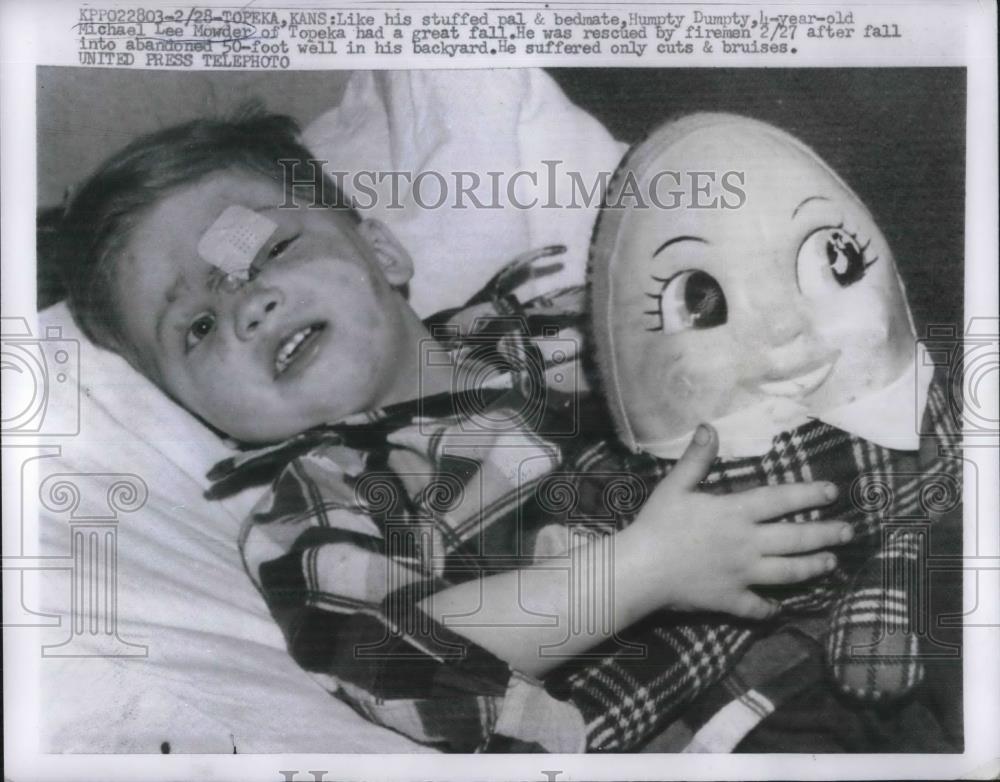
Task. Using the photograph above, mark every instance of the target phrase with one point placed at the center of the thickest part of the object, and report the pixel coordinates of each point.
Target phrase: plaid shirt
(367, 518)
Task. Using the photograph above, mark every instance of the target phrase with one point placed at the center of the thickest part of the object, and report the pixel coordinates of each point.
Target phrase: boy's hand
(703, 552)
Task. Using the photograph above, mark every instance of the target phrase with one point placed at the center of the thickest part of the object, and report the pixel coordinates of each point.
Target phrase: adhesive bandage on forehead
(233, 241)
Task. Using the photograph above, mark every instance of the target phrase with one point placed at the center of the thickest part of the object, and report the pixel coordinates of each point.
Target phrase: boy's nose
(253, 310)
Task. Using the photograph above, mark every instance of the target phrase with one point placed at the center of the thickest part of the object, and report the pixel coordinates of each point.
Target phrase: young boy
(401, 548)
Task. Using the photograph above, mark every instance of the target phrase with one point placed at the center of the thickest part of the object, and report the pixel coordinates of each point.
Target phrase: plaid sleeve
(348, 605)
(625, 699)
(632, 687)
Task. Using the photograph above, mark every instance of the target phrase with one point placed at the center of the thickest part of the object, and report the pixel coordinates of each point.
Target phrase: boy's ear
(392, 256)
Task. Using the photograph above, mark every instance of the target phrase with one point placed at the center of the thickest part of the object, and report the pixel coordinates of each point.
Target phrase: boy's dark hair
(103, 212)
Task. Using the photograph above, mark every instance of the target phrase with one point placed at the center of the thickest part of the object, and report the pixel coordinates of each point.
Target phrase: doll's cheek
(664, 373)
(874, 344)
(864, 319)
(698, 381)
(681, 386)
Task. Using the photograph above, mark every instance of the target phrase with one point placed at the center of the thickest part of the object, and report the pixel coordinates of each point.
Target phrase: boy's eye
(275, 252)
(832, 258)
(691, 299)
(281, 246)
(198, 330)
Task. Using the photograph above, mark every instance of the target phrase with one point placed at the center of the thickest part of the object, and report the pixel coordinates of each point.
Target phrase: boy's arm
(685, 551)
(345, 597)
(350, 611)
(519, 614)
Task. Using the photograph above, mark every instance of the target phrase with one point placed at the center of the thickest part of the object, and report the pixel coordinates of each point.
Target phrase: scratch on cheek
(682, 385)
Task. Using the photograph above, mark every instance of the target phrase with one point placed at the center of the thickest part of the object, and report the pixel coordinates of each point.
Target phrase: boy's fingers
(769, 502)
(694, 463)
(785, 538)
(751, 606)
(791, 570)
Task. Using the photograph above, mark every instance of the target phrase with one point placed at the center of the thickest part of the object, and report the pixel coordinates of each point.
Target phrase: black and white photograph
(410, 414)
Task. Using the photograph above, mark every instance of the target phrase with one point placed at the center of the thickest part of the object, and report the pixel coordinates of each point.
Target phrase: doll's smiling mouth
(799, 386)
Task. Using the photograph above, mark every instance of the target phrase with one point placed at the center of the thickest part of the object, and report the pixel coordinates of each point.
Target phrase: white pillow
(195, 660)
(215, 671)
(436, 123)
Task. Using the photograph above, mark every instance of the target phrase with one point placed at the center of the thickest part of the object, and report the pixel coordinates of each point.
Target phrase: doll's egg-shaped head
(731, 267)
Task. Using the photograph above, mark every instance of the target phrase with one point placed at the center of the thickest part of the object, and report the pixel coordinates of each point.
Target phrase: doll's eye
(200, 328)
(691, 299)
(832, 258)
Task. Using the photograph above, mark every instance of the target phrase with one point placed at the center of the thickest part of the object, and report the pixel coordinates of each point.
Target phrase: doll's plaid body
(871, 599)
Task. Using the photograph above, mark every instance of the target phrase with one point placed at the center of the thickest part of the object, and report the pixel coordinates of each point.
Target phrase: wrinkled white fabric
(430, 127)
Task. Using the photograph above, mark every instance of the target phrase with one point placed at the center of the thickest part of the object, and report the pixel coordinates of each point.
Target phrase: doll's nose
(257, 305)
(783, 328)
(772, 307)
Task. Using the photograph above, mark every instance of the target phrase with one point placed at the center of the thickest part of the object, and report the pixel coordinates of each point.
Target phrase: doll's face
(791, 296)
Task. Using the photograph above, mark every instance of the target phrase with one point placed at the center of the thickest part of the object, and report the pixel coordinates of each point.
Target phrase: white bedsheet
(215, 675)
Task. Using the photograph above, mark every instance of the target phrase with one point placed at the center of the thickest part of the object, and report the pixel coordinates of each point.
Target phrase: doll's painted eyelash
(862, 242)
(832, 258)
(848, 258)
(658, 298)
(657, 312)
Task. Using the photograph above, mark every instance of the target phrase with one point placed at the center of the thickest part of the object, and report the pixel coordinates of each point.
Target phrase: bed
(188, 660)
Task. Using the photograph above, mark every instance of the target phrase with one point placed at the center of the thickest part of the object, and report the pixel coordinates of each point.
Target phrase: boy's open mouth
(293, 347)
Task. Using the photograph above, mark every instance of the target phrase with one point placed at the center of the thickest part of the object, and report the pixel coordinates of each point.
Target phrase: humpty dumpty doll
(772, 309)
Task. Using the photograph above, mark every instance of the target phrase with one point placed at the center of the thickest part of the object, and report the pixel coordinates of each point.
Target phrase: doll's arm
(873, 648)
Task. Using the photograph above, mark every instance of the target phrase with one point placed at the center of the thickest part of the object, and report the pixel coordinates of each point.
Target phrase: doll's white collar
(889, 417)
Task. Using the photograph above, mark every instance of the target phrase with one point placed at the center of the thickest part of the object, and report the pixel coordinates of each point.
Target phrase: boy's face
(791, 296)
(319, 333)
